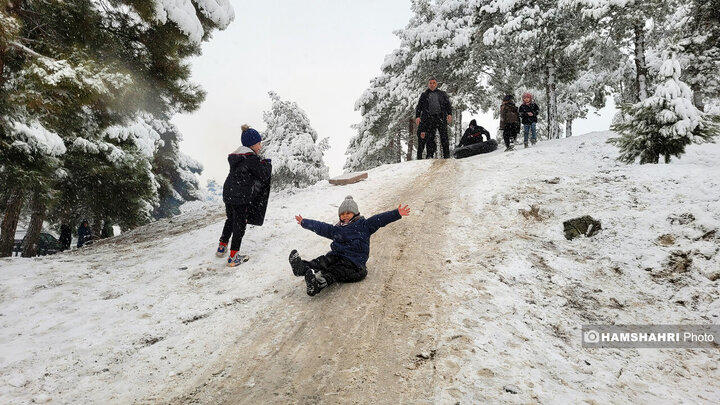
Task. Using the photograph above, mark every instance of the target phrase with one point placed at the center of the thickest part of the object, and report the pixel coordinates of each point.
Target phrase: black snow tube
(475, 149)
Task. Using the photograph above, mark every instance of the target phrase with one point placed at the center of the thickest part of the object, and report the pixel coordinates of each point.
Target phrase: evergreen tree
(663, 124)
(177, 175)
(292, 144)
(699, 42)
(97, 75)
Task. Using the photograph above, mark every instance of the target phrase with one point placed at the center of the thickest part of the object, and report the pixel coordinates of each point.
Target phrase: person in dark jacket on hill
(246, 169)
(84, 234)
(528, 113)
(433, 113)
(473, 134)
(349, 250)
(509, 121)
(65, 237)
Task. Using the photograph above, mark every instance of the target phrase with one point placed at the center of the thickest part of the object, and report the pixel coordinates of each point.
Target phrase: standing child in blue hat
(246, 168)
(349, 250)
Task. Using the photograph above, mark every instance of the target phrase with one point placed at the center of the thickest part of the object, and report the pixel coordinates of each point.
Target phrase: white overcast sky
(318, 53)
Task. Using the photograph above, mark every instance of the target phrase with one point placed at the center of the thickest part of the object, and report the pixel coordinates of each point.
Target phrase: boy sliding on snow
(349, 250)
(246, 169)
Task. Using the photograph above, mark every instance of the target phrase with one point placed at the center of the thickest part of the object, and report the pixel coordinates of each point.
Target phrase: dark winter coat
(65, 236)
(422, 110)
(529, 108)
(352, 241)
(246, 171)
(474, 134)
(508, 114)
(84, 235)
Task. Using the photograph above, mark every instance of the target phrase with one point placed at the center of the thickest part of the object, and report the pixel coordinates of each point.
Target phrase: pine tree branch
(23, 48)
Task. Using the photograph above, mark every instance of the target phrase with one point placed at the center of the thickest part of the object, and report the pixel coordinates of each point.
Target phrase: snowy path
(355, 342)
(476, 297)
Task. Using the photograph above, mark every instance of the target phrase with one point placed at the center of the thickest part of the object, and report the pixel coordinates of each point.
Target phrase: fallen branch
(23, 48)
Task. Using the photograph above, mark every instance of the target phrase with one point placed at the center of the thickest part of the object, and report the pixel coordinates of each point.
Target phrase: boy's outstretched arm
(376, 222)
(320, 228)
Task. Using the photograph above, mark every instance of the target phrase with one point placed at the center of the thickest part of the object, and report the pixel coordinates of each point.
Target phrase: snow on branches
(184, 14)
(664, 123)
(292, 144)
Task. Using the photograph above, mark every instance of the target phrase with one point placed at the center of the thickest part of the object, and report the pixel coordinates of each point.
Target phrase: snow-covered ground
(146, 315)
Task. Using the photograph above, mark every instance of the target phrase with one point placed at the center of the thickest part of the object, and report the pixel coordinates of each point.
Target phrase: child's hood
(242, 150)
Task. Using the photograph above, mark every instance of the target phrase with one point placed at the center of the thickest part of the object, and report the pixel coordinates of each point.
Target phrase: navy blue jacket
(247, 176)
(352, 241)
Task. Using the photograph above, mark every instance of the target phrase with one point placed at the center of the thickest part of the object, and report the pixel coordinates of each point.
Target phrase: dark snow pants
(234, 225)
(337, 269)
(429, 126)
(510, 131)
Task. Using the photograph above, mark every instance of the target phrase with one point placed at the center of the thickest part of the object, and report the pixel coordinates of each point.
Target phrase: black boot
(298, 265)
(315, 282)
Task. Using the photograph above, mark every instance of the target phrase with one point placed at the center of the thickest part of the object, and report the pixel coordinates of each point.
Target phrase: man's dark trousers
(429, 125)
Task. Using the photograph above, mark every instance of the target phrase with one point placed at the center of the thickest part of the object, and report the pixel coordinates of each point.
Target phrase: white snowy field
(143, 316)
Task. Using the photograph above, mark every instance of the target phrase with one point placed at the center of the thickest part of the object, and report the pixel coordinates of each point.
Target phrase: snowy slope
(118, 320)
(145, 316)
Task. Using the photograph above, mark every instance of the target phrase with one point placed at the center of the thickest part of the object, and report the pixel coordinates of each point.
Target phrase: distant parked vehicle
(46, 245)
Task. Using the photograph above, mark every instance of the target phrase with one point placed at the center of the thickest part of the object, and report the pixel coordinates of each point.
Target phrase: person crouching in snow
(349, 249)
(246, 168)
(473, 134)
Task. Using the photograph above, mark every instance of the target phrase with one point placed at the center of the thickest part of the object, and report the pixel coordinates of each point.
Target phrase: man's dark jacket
(352, 241)
(84, 235)
(529, 108)
(247, 182)
(422, 110)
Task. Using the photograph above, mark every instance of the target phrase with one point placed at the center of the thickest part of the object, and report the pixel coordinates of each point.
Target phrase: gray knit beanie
(349, 205)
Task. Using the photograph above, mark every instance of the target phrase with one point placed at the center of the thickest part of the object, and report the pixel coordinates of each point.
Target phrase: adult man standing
(433, 113)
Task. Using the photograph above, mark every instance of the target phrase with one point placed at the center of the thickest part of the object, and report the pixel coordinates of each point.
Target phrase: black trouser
(429, 125)
(337, 268)
(234, 225)
(510, 131)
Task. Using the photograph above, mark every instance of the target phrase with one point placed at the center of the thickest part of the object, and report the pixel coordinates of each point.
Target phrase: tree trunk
(10, 221)
(551, 95)
(97, 227)
(36, 220)
(697, 97)
(398, 148)
(411, 139)
(2, 66)
(568, 128)
(458, 129)
(641, 69)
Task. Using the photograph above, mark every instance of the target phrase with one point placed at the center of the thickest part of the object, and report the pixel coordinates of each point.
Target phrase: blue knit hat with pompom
(249, 136)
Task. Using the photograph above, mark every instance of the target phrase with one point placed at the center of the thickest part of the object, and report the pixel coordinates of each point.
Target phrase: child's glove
(267, 160)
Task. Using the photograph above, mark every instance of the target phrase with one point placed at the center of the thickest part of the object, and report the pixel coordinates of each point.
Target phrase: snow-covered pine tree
(539, 31)
(214, 190)
(699, 31)
(664, 124)
(629, 24)
(293, 145)
(435, 42)
(59, 73)
(177, 174)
